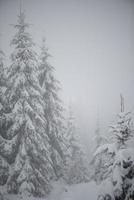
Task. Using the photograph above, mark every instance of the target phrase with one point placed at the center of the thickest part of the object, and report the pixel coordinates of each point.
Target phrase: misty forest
(53, 144)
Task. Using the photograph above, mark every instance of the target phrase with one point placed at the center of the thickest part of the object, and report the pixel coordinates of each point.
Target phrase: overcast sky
(92, 45)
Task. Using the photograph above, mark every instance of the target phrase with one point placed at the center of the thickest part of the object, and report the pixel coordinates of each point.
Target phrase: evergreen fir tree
(102, 162)
(53, 111)
(4, 167)
(76, 168)
(2, 79)
(98, 169)
(121, 178)
(122, 130)
(99, 139)
(29, 157)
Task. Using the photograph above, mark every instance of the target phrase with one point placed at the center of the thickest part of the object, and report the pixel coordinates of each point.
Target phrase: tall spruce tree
(31, 167)
(2, 79)
(4, 167)
(53, 111)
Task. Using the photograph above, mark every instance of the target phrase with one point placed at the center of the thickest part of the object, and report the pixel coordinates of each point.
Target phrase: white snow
(124, 154)
(111, 148)
(105, 188)
(82, 191)
(61, 191)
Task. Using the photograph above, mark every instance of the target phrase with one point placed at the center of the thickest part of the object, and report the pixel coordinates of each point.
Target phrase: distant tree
(28, 154)
(77, 166)
(99, 139)
(98, 169)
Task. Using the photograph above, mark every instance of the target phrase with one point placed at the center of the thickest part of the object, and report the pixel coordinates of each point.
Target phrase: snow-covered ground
(83, 191)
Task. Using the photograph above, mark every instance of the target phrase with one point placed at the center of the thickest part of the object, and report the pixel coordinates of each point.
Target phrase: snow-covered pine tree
(122, 130)
(98, 169)
(102, 161)
(53, 111)
(2, 79)
(29, 158)
(121, 180)
(4, 168)
(99, 139)
(77, 166)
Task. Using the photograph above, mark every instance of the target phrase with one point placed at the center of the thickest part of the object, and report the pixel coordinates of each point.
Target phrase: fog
(91, 43)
